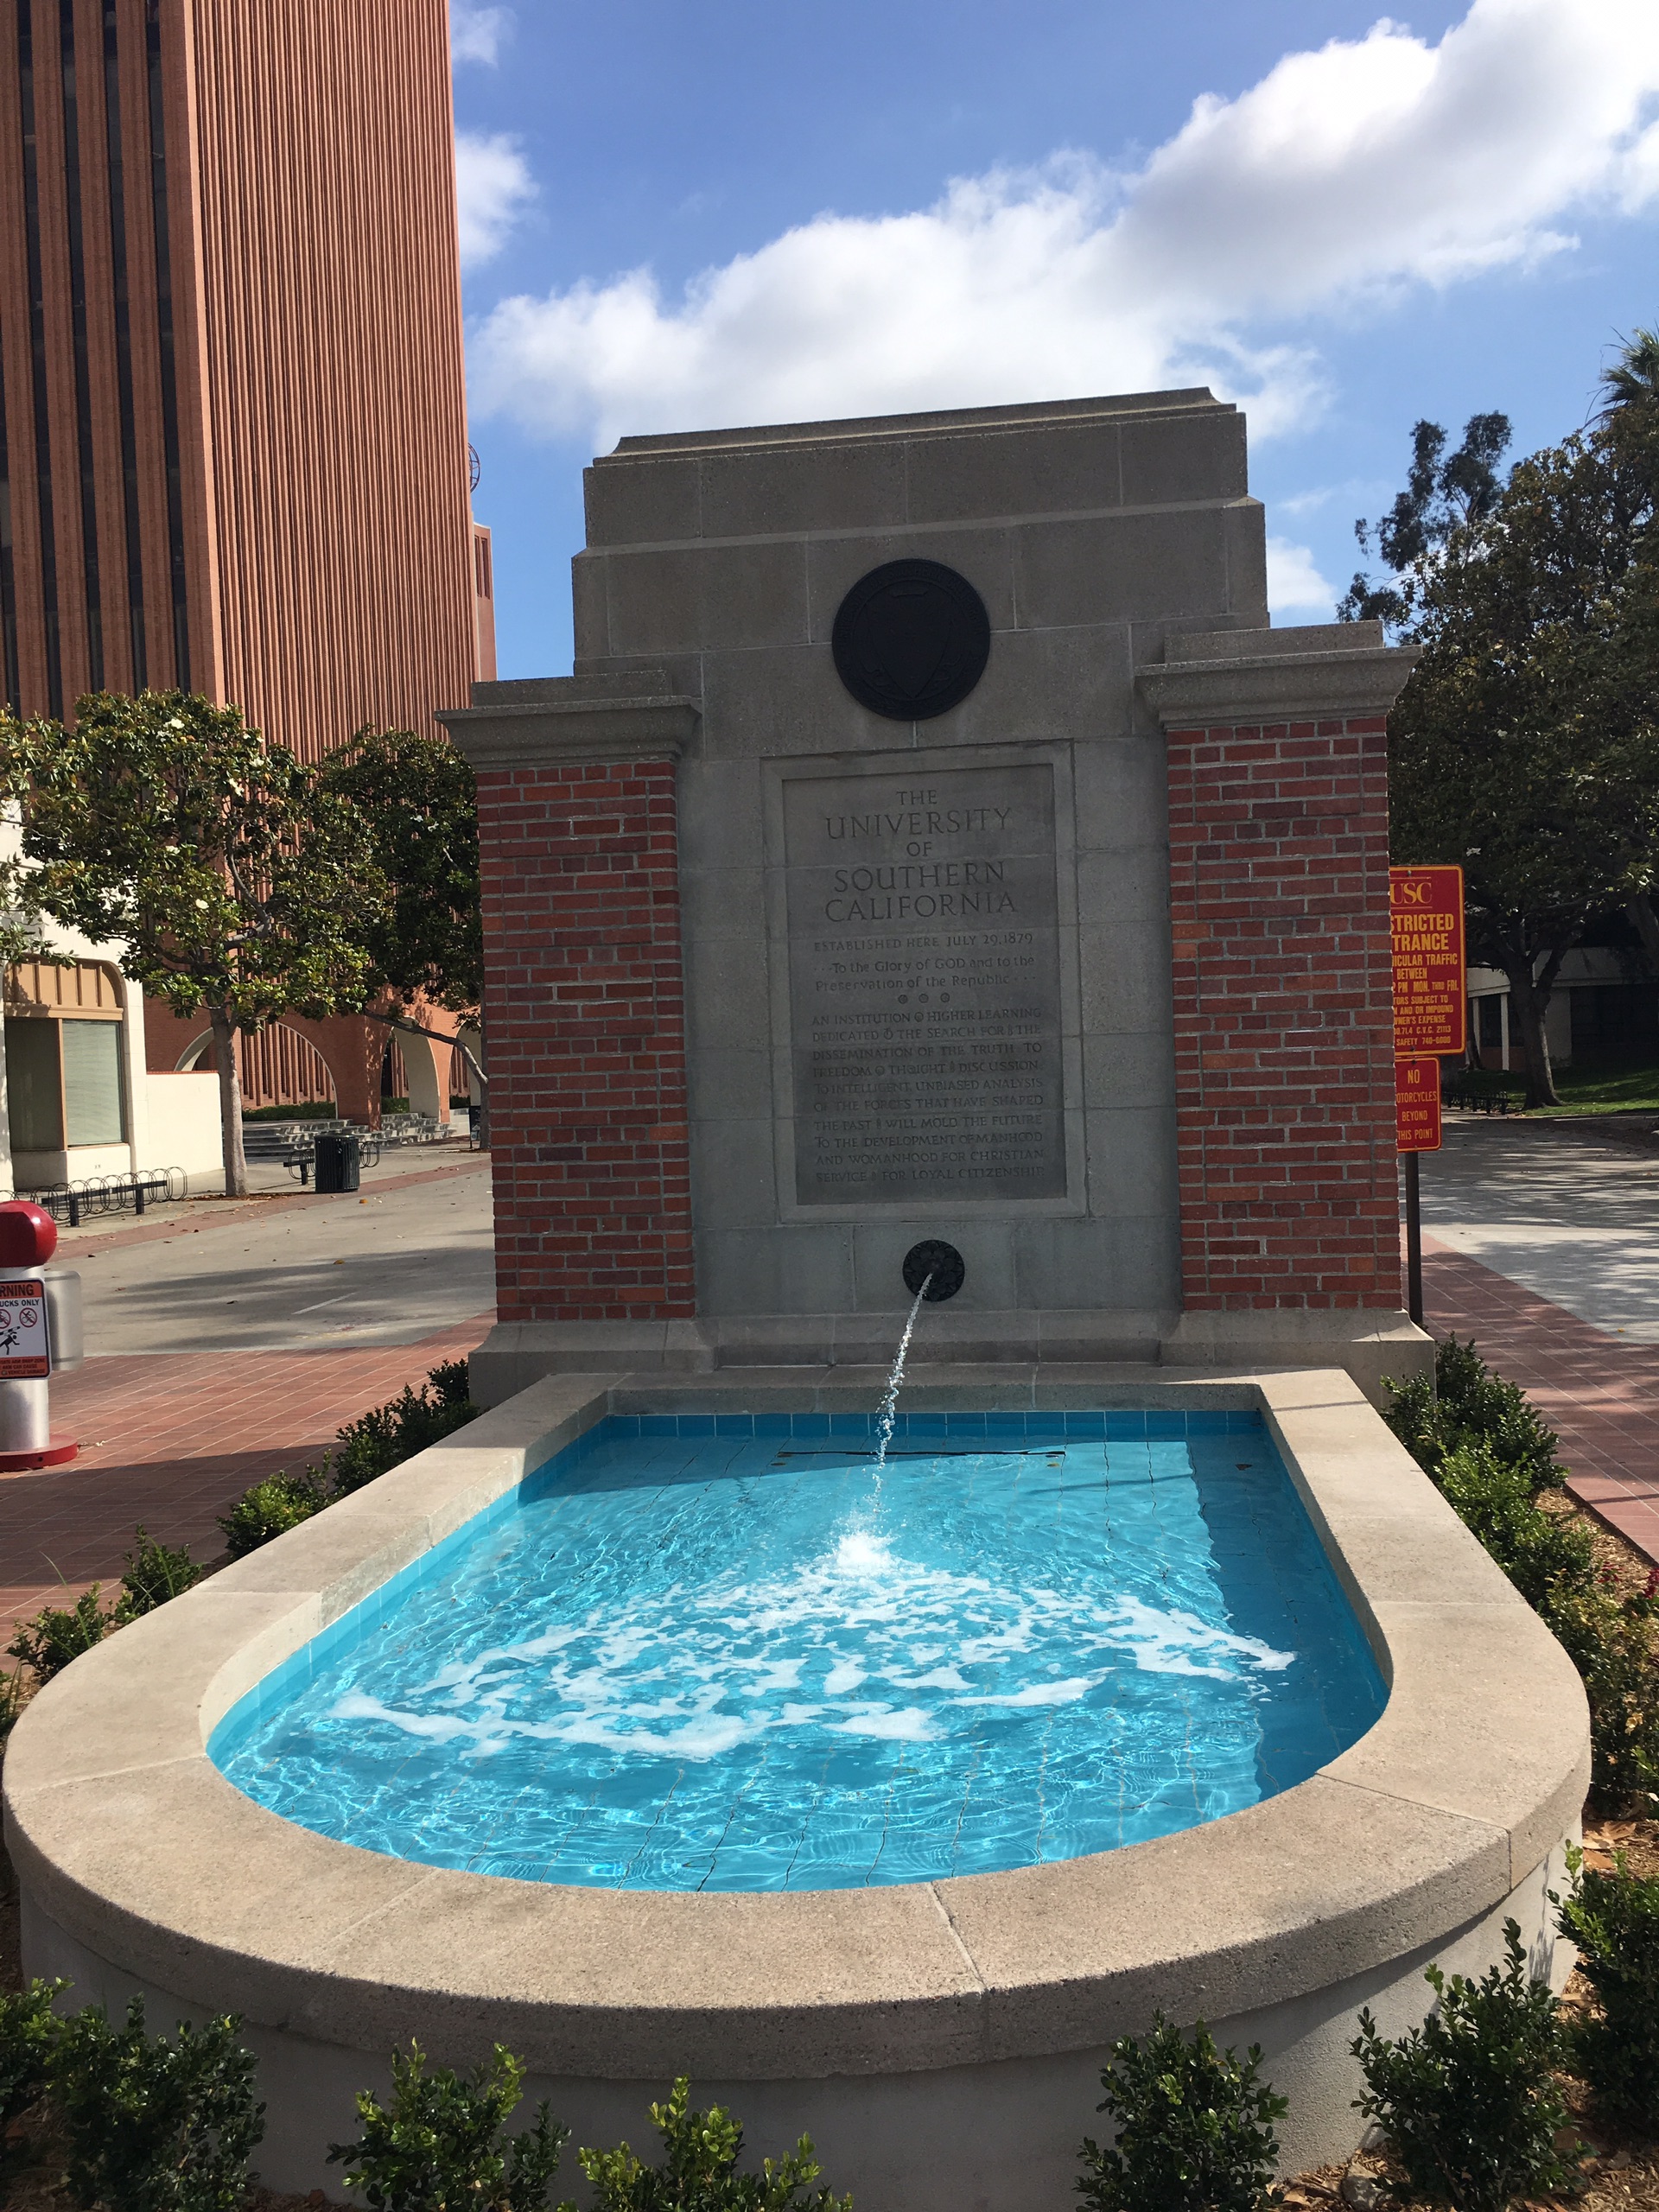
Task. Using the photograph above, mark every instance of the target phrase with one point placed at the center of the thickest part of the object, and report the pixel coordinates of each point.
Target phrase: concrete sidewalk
(1543, 1245)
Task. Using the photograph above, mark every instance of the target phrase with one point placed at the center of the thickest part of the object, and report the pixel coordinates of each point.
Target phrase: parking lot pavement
(408, 1254)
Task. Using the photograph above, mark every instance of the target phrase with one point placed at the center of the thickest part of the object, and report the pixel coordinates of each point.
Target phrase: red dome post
(28, 1237)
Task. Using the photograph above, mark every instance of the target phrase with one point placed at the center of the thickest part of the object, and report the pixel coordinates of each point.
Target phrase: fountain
(945, 853)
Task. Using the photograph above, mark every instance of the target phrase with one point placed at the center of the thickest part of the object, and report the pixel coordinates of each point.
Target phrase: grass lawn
(1607, 1090)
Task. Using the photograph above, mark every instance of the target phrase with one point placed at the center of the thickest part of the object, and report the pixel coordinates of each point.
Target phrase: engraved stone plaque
(924, 986)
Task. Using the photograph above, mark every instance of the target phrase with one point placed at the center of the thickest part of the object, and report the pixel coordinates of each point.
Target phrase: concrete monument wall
(808, 942)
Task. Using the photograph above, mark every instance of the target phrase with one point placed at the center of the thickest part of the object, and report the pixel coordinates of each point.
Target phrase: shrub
(1611, 1643)
(439, 2146)
(1466, 1403)
(28, 2032)
(12, 1701)
(1469, 2102)
(153, 2125)
(382, 1440)
(1195, 2127)
(699, 2168)
(1540, 1551)
(154, 1575)
(55, 1636)
(1614, 1920)
(279, 1503)
(388, 1434)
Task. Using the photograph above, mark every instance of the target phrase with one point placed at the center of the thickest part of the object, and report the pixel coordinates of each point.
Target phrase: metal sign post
(1431, 1017)
(28, 1237)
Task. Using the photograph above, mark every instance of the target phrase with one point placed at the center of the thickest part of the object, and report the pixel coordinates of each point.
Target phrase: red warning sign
(23, 1351)
(1430, 1000)
(1417, 1105)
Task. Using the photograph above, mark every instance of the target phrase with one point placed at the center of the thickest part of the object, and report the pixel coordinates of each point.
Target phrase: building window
(34, 1086)
(64, 1080)
(93, 1111)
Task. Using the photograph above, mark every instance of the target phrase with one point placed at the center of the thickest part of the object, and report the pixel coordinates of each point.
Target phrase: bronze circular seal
(912, 639)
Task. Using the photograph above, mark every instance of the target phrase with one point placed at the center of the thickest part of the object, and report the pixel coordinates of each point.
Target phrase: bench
(1471, 1098)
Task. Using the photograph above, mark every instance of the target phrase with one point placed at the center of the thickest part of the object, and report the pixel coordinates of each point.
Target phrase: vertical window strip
(164, 323)
(124, 348)
(38, 353)
(9, 675)
(82, 366)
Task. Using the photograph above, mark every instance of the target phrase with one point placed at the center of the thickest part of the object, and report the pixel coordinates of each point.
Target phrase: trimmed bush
(1541, 1553)
(1470, 2103)
(156, 2126)
(29, 2030)
(384, 1437)
(1466, 1403)
(1194, 2127)
(12, 1701)
(154, 1575)
(382, 1440)
(1611, 1643)
(698, 2171)
(56, 1635)
(1614, 1920)
(439, 2144)
(1483, 1444)
(279, 1503)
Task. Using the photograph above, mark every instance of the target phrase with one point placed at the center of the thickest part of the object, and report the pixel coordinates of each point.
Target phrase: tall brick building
(233, 425)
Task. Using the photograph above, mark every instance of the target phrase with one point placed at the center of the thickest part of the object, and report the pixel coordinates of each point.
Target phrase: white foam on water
(690, 1672)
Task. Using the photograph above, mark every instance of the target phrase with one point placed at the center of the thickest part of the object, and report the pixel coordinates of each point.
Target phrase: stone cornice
(1276, 687)
(583, 725)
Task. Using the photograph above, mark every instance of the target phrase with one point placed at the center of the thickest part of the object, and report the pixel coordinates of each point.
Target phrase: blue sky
(677, 215)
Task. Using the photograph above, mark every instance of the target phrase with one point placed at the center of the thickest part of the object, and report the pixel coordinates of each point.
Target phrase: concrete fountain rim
(127, 1837)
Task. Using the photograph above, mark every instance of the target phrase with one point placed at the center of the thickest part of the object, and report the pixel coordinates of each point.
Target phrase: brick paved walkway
(171, 1441)
(1599, 1396)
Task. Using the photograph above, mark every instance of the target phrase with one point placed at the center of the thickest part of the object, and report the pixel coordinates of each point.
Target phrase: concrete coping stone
(938, 422)
(127, 1836)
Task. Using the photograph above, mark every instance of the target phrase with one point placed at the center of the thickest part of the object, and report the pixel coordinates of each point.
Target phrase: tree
(1524, 743)
(233, 878)
(417, 798)
(1442, 496)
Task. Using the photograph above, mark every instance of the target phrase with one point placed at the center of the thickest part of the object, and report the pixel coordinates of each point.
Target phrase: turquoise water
(722, 1653)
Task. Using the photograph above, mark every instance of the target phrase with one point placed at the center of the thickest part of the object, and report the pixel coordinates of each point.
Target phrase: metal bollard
(28, 1236)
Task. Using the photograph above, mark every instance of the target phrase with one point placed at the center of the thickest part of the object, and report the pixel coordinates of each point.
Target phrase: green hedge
(1482, 1442)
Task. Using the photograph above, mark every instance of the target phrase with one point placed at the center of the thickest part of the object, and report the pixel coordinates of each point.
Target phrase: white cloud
(492, 184)
(1294, 579)
(1343, 176)
(476, 33)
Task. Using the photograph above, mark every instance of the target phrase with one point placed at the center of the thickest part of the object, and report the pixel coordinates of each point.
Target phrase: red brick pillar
(1282, 984)
(1284, 1071)
(586, 1040)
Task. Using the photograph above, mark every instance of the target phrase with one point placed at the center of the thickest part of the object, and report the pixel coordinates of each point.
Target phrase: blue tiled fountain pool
(727, 1653)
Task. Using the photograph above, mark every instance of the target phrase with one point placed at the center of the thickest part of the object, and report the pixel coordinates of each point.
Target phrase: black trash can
(339, 1160)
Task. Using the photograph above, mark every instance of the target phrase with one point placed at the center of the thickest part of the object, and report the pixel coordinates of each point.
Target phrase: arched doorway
(278, 1065)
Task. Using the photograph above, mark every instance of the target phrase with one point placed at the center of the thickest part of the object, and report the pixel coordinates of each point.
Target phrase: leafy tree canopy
(417, 797)
(1526, 743)
(235, 880)
(1444, 492)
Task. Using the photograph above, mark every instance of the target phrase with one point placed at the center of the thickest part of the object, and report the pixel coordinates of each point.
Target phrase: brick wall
(1283, 1016)
(586, 1045)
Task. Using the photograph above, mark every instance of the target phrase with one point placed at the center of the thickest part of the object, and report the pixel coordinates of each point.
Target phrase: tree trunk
(1528, 1003)
(483, 1084)
(230, 1104)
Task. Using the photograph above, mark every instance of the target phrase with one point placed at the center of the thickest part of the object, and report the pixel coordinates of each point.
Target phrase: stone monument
(935, 842)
